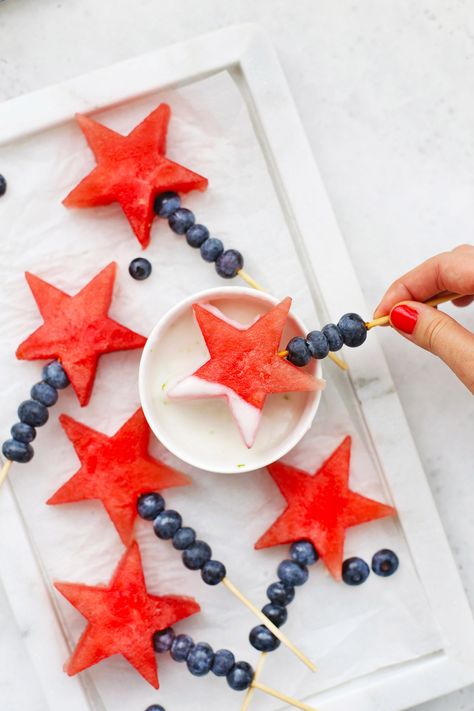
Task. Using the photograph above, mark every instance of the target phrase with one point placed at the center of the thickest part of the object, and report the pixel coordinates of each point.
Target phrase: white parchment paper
(347, 631)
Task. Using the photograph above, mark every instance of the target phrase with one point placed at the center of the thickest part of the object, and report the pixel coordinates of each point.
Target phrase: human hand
(424, 325)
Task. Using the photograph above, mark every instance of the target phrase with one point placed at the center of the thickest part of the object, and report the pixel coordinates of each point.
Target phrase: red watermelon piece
(122, 618)
(77, 329)
(244, 366)
(132, 170)
(320, 507)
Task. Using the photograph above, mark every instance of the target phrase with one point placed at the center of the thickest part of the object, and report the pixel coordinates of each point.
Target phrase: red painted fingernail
(404, 318)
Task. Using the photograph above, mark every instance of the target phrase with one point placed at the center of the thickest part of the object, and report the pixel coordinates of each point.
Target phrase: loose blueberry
(33, 413)
(223, 662)
(183, 538)
(3, 185)
(353, 330)
(292, 573)
(333, 336)
(385, 562)
(200, 659)
(155, 707)
(181, 220)
(181, 646)
(23, 432)
(277, 614)
(196, 555)
(55, 375)
(317, 344)
(262, 639)
(304, 553)
(166, 524)
(166, 203)
(139, 268)
(16, 451)
(211, 249)
(355, 571)
(298, 351)
(240, 676)
(150, 505)
(213, 572)
(45, 394)
(163, 640)
(280, 593)
(196, 235)
(229, 263)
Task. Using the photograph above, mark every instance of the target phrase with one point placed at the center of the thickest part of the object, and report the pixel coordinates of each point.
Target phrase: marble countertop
(385, 93)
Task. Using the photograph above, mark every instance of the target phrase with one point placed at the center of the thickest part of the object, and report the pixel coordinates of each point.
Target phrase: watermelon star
(132, 170)
(115, 470)
(244, 365)
(321, 507)
(122, 618)
(77, 329)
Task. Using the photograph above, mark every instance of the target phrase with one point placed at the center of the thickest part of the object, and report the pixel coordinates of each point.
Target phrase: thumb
(438, 333)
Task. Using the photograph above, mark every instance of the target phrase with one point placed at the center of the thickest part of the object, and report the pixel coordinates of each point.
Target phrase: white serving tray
(368, 390)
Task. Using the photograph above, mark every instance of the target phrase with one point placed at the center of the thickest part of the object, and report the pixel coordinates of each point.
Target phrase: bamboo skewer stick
(269, 624)
(283, 697)
(246, 277)
(4, 471)
(251, 689)
(435, 301)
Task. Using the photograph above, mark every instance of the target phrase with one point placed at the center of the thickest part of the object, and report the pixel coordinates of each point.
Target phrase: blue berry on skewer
(163, 640)
(181, 220)
(181, 646)
(211, 249)
(139, 268)
(55, 375)
(223, 662)
(183, 538)
(196, 235)
(15, 451)
(150, 505)
(44, 393)
(292, 573)
(200, 659)
(166, 204)
(166, 524)
(278, 614)
(350, 331)
(353, 330)
(155, 707)
(229, 263)
(196, 555)
(262, 639)
(23, 432)
(3, 185)
(298, 351)
(318, 344)
(33, 413)
(385, 563)
(280, 593)
(333, 336)
(355, 571)
(240, 676)
(304, 553)
(213, 572)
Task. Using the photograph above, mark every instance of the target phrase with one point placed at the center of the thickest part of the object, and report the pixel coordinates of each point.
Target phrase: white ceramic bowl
(203, 432)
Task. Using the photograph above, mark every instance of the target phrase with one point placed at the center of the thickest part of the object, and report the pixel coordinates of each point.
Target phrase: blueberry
(23, 432)
(45, 394)
(355, 571)
(280, 593)
(181, 646)
(276, 613)
(298, 351)
(155, 707)
(353, 330)
(150, 505)
(196, 555)
(317, 344)
(240, 676)
(163, 640)
(166, 203)
(223, 662)
(181, 220)
(183, 538)
(139, 268)
(17, 451)
(3, 185)
(385, 562)
(196, 235)
(33, 413)
(262, 639)
(229, 263)
(55, 375)
(213, 572)
(292, 573)
(211, 249)
(166, 524)
(200, 659)
(304, 553)
(333, 336)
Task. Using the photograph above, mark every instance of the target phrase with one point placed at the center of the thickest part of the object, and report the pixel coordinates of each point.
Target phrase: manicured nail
(404, 318)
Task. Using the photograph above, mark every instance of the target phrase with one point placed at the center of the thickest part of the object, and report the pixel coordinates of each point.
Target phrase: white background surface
(385, 92)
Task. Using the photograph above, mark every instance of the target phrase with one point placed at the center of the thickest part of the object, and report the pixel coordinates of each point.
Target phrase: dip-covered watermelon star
(115, 470)
(320, 507)
(244, 366)
(122, 618)
(132, 170)
(77, 330)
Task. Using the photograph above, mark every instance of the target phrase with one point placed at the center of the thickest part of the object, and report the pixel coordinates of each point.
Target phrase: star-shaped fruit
(244, 365)
(122, 618)
(77, 330)
(115, 470)
(132, 170)
(320, 507)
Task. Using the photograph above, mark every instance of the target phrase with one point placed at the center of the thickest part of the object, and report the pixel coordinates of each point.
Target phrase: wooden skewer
(4, 471)
(269, 624)
(283, 697)
(246, 277)
(435, 301)
(251, 689)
